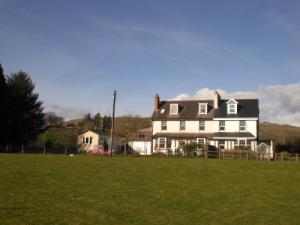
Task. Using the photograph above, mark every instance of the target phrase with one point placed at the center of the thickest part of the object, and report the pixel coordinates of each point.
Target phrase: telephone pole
(113, 123)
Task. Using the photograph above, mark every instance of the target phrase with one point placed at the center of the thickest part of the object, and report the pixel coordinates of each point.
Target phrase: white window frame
(232, 106)
(243, 128)
(164, 141)
(221, 121)
(201, 121)
(205, 111)
(181, 141)
(173, 109)
(245, 142)
(223, 145)
(164, 125)
(203, 142)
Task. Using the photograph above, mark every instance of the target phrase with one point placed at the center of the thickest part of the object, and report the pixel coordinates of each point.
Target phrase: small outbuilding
(140, 141)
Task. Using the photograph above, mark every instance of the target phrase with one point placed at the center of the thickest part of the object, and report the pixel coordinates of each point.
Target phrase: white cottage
(222, 123)
(90, 139)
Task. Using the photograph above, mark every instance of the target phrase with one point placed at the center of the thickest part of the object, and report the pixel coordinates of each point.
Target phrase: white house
(89, 139)
(222, 123)
(140, 141)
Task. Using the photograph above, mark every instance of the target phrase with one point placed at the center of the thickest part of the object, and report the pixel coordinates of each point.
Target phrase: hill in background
(281, 134)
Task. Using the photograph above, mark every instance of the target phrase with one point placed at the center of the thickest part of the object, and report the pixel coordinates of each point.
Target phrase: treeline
(21, 114)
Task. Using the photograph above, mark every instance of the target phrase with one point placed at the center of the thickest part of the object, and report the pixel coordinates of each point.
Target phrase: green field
(55, 189)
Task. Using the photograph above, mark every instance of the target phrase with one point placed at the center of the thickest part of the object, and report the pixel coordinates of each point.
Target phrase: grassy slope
(282, 134)
(38, 189)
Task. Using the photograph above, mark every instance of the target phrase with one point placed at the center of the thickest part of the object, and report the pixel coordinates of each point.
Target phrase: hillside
(282, 134)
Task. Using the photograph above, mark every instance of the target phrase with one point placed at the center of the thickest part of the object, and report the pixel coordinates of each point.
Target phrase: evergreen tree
(87, 122)
(4, 112)
(98, 121)
(26, 111)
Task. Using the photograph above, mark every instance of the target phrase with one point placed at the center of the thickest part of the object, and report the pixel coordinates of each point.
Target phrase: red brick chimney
(156, 103)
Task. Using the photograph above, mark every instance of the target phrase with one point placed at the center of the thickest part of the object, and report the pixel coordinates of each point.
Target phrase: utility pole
(113, 123)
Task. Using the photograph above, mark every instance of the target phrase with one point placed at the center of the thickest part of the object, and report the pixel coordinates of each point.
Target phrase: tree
(87, 122)
(190, 149)
(52, 120)
(4, 112)
(26, 110)
(107, 122)
(98, 123)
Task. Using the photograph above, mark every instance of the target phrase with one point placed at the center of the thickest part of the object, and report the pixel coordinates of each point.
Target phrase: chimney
(217, 99)
(156, 103)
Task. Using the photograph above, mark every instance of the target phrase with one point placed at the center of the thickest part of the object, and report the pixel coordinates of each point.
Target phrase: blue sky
(78, 52)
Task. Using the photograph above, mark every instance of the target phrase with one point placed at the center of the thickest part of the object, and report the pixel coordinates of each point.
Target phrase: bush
(190, 149)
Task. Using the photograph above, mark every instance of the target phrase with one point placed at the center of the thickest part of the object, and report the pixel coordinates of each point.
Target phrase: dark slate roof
(183, 135)
(233, 134)
(246, 108)
(188, 110)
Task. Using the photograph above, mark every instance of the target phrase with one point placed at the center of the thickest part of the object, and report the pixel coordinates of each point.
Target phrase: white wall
(210, 126)
(142, 147)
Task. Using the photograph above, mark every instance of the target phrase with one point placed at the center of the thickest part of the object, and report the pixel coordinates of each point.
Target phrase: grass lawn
(55, 189)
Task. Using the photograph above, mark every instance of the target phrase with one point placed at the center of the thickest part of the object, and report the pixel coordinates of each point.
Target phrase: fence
(230, 155)
(284, 156)
(39, 150)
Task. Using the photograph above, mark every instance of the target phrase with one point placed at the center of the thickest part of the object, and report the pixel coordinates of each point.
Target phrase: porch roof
(233, 135)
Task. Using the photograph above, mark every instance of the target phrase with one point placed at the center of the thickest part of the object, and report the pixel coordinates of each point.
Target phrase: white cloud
(278, 103)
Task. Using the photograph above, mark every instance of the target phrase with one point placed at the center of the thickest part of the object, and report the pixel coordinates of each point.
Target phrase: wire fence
(219, 155)
(22, 149)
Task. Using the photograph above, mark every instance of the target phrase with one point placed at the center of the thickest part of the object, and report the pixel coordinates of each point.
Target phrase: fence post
(66, 150)
(44, 150)
(233, 156)
(247, 155)
(22, 149)
(206, 154)
(219, 155)
(281, 156)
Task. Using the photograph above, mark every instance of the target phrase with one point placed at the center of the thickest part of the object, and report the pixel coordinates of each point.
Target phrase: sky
(78, 52)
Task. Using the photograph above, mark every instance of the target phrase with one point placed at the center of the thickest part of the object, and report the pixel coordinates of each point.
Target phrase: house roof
(246, 108)
(233, 134)
(101, 132)
(189, 110)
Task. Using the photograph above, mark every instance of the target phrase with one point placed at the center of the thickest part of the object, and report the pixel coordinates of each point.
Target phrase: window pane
(164, 125)
(182, 125)
(201, 125)
(169, 143)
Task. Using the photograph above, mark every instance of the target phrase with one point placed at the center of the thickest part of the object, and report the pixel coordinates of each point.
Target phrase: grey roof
(188, 110)
(232, 134)
(246, 108)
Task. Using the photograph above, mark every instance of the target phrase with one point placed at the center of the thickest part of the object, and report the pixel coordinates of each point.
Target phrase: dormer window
(202, 108)
(173, 109)
(232, 106)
